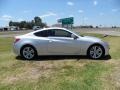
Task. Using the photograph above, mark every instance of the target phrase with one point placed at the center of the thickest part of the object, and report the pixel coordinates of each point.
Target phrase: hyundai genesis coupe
(58, 41)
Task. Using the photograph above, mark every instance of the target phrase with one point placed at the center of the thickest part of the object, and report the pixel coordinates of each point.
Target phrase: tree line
(29, 24)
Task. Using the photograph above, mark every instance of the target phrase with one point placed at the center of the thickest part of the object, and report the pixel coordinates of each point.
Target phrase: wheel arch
(28, 45)
(93, 45)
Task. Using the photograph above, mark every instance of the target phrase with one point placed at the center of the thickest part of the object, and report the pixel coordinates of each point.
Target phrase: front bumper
(107, 48)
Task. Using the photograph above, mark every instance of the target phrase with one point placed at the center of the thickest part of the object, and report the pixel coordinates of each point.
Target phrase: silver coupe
(58, 41)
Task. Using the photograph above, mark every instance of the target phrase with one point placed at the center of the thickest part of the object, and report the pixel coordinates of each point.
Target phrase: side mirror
(74, 36)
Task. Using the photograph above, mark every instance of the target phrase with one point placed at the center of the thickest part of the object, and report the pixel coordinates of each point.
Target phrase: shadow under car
(62, 57)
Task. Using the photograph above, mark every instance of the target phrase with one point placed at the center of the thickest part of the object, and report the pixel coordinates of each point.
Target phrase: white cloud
(48, 15)
(70, 3)
(95, 3)
(114, 10)
(80, 11)
(6, 17)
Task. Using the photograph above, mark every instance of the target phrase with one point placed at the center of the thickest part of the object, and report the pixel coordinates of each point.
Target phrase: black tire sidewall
(35, 52)
(103, 52)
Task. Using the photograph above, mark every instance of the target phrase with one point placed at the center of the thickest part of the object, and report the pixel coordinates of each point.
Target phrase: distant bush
(29, 25)
(89, 26)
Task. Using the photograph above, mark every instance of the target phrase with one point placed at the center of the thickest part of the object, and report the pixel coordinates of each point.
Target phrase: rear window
(45, 33)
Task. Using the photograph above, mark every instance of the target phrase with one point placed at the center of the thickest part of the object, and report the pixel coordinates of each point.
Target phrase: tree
(43, 25)
(10, 23)
(29, 25)
(38, 21)
(32, 23)
(22, 24)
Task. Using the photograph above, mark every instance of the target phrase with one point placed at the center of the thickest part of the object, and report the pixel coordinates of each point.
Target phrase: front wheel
(28, 52)
(96, 52)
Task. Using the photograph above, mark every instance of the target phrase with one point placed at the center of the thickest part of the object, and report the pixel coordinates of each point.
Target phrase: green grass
(60, 74)
(5, 44)
(13, 32)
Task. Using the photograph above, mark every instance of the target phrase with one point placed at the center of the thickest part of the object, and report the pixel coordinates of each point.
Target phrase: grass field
(61, 74)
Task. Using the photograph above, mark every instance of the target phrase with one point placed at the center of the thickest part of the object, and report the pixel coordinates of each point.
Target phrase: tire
(96, 51)
(28, 52)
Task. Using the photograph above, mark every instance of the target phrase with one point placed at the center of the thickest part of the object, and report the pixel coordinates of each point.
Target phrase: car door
(61, 43)
(42, 42)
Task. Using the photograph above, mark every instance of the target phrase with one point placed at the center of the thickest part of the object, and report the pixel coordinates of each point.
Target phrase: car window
(61, 33)
(53, 33)
(45, 33)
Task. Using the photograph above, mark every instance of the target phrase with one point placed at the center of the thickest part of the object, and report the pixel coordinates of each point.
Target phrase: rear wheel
(28, 52)
(96, 51)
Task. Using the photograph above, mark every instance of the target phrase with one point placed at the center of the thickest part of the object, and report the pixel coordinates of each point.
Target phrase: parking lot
(66, 73)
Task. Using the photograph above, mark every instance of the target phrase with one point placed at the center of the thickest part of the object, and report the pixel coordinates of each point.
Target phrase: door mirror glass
(74, 36)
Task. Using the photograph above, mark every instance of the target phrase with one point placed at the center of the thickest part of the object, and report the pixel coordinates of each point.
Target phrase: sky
(85, 12)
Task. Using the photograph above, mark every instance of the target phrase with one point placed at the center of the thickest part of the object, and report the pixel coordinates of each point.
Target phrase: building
(9, 28)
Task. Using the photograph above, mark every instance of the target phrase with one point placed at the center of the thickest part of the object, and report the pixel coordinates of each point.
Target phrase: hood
(90, 38)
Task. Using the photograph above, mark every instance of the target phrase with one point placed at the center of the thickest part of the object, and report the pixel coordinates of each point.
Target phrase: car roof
(50, 28)
(54, 28)
(46, 29)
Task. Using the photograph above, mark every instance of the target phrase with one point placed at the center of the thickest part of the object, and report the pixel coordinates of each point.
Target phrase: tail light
(16, 40)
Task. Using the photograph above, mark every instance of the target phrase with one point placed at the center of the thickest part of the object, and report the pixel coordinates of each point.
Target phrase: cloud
(95, 3)
(70, 3)
(115, 10)
(80, 11)
(6, 17)
(48, 15)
